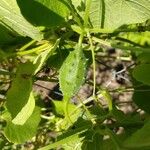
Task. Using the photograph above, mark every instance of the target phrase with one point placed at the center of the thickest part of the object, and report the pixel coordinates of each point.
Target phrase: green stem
(27, 45)
(128, 41)
(47, 79)
(80, 40)
(104, 55)
(101, 41)
(94, 64)
(90, 99)
(88, 112)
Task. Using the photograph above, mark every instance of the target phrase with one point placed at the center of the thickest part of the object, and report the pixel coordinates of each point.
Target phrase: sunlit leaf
(20, 101)
(52, 12)
(92, 141)
(72, 72)
(43, 56)
(110, 14)
(142, 73)
(21, 133)
(11, 17)
(140, 138)
(71, 135)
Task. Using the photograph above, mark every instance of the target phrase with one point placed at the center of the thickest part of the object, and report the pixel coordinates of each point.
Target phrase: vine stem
(85, 102)
(94, 64)
(88, 112)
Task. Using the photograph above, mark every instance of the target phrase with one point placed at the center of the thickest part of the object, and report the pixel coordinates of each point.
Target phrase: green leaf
(140, 138)
(25, 112)
(56, 6)
(142, 73)
(141, 97)
(72, 146)
(52, 12)
(97, 112)
(74, 136)
(69, 136)
(73, 113)
(5, 35)
(22, 133)
(11, 17)
(43, 56)
(52, 61)
(20, 101)
(110, 14)
(142, 38)
(144, 58)
(134, 120)
(108, 145)
(92, 141)
(58, 108)
(72, 72)
(79, 6)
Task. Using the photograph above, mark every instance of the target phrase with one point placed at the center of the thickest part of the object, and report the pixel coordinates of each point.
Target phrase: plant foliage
(70, 36)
